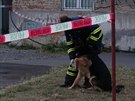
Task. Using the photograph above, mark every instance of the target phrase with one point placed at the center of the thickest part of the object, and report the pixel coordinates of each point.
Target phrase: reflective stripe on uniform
(96, 38)
(70, 50)
(70, 73)
(91, 36)
(96, 30)
(69, 43)
(71, 68)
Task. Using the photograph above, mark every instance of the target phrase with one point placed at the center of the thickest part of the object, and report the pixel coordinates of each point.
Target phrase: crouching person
(86, 41)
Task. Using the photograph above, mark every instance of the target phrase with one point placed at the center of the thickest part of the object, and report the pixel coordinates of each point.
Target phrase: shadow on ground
(11, 73)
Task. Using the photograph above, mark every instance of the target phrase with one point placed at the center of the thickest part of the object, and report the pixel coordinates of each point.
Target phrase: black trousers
(102, 73)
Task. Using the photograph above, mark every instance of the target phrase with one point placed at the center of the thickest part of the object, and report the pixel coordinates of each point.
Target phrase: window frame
(78, 6)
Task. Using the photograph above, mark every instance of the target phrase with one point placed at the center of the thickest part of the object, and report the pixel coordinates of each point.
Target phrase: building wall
(56, 4)
(45, 5)
(106, 3)
(125, 24)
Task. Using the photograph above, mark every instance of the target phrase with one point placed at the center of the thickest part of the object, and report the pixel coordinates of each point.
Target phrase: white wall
(125, 27)
(125, 32)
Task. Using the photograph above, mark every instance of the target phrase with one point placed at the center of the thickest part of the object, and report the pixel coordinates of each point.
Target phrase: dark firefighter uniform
(87, 41)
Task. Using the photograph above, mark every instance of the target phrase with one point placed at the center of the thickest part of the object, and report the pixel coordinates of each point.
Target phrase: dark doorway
(5, 16)
(0, 17)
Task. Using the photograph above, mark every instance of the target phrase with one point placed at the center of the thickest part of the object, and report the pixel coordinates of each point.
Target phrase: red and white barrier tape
(27, 17)
(43, 22)
(5, 6)
(55, 28)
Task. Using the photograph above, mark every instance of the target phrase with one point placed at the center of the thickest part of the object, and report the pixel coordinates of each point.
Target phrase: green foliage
(134, 50)
(23, 46)
(22, 88)
(10, 94)
(61, 47)
(105, 49)
(51, 47)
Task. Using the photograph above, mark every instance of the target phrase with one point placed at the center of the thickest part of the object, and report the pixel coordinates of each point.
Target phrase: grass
(50, 47)
(46, 88)
(61, 47)
(23, 46)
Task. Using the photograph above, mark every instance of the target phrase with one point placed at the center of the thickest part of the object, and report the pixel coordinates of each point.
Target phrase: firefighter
(86, 41)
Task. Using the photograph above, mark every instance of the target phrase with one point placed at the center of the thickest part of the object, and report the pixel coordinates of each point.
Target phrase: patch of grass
(9, 95)
(133, 49)
(105, 49)
(23, 46)
(23, 88)
(46, 88)
(51, 47)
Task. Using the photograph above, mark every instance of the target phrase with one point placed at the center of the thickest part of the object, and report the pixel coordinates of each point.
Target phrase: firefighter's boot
(70, 76)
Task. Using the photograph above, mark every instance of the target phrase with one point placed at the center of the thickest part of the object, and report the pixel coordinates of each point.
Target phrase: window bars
(78, 5)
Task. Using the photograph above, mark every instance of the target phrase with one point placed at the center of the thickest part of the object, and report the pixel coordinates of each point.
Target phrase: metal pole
(113, 51)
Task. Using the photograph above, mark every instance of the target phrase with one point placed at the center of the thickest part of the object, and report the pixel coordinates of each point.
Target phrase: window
(78, 4)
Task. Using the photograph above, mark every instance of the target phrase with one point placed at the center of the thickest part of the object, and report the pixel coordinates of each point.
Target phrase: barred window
(78, 5)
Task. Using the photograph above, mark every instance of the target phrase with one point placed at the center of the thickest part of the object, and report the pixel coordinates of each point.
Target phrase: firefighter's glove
(72, 62)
